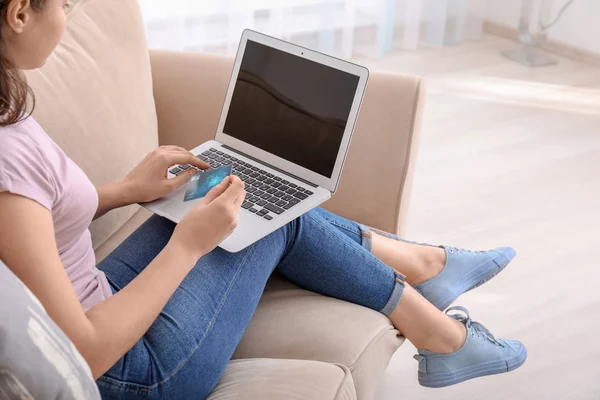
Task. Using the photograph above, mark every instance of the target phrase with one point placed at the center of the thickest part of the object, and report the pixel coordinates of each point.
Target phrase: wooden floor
(511, 156)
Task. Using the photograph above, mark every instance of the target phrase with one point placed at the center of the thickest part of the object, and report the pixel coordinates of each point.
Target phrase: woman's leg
(451, 348)
(324, 260)
(186, 350)
(440, 274)
(416, 262)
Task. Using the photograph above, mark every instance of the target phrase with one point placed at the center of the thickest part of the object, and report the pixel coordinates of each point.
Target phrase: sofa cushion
(292, 323)
(284, 379)
(37, 360)
(94, 96)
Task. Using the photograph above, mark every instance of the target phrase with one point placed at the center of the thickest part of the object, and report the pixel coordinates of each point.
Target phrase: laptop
(285, 129)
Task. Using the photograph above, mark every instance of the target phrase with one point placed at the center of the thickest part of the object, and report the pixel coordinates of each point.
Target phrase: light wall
(579, 26)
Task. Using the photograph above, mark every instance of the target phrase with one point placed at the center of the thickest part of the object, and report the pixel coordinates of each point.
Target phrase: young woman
(162, 315)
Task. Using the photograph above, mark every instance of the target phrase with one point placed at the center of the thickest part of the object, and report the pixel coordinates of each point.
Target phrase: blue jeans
(186, 350)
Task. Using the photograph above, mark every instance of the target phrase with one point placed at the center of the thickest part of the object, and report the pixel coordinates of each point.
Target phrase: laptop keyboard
(267, 196)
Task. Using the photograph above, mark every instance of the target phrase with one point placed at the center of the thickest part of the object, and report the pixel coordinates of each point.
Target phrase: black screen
(292, 107)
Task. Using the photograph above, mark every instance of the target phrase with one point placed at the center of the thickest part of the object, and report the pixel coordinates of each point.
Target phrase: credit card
(200, 184)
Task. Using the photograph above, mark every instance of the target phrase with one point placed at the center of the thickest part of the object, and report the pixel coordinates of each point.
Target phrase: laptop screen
(291, 107)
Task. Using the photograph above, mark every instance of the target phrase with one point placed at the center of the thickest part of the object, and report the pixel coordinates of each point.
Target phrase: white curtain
(345, 28)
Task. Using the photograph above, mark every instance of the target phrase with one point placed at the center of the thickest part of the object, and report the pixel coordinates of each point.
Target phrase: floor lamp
(530, 54)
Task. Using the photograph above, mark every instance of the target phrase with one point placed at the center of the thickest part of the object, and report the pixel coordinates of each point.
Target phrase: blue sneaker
(464, 270)
(481, 354)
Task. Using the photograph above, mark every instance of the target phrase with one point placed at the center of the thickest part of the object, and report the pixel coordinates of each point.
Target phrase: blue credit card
(200, 184)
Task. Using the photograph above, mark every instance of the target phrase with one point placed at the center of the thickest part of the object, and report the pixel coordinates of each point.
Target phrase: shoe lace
(452, 249)
(477, 329)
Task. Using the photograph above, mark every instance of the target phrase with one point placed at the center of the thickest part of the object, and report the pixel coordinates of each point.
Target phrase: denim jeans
(186, 350)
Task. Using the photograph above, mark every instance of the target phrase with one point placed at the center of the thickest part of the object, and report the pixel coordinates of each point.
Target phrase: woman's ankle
(432, 261)
(446, 341)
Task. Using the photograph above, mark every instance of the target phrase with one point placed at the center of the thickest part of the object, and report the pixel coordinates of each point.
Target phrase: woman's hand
(212, 220)
(148, 181)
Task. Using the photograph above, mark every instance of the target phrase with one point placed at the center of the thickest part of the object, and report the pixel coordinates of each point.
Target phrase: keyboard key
(294, 201)
(226, 156)
(255, 168)
(175, 170)
(254, 199)
(220, 159)
(272, 191)
(185, 167)
(269, 181)
(287, 197)
(280, 194)
(300, 189)
(251, 180)
(215, 165)
(213, 150)
(250, 190)
(262, 212)
(265, 187)
(273, 200)
(288, 206)
(270, 175)
(261, 178)
(248, 171)
(259, 192)
(284, 188)
(281, 203)
(300, 196)
(285, 182)
(268, 217)
(255, 175)
(253, 210)
(278, 179)
(261, 203)
(234, 159)
(290, 191)
(276, 184)
(205, 153)
(308, 192)
(243, 177)
(265, 196)
(227, 162)
(213, 156)
(247, 205)
(274, 208)
(293, 185)
(220, 153)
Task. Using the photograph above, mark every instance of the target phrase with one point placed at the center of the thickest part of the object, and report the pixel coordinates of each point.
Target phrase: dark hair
(14, 90)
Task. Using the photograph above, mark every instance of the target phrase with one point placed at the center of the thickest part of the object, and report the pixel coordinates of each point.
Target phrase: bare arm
(106, 332)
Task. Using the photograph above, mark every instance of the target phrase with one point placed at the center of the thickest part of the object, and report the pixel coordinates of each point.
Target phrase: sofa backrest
(94, 96)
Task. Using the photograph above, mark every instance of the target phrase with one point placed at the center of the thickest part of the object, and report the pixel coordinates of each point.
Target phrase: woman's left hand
(148, 181)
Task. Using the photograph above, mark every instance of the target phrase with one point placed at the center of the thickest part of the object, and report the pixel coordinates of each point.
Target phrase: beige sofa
(108, 101)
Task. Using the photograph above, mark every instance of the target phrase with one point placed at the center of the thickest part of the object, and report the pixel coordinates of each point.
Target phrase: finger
(233, 192)
(217, 190)
(181, 179)
(237, 204)
(185, 157)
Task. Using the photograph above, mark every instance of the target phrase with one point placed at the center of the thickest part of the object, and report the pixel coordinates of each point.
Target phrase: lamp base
(530, 56)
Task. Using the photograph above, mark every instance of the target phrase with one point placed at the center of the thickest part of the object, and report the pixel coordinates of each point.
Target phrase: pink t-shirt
(33, 166)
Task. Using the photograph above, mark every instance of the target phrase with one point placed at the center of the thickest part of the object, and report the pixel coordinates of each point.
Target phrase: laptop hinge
(270, 166)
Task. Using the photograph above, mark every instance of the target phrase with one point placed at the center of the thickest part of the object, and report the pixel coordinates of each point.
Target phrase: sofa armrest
(267, 379)
(189, 90)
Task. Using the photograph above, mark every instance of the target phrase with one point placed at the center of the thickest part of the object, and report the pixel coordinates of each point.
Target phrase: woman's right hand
(212, 220)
